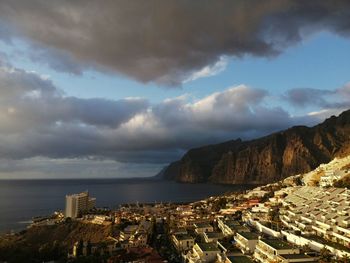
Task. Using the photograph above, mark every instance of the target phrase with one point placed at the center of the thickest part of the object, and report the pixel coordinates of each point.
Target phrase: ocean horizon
(23, 199)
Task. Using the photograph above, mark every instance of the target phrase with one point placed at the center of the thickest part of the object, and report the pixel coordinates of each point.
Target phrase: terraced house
(268, 250)
(319, 213)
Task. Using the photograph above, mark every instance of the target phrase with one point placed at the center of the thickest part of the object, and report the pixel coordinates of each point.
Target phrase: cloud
(166, 42)
(344, 91)
(29, 100)
(39, 120)
(209, 71)
(325, 113)
(56, 59)
(302, 97)
(42, 127)
(309, 97)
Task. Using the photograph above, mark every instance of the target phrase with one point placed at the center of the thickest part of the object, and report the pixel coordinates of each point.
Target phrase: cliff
(268, 159)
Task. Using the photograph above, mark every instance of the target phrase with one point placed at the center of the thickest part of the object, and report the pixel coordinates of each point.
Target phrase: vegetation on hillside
(45, 243)
(344, 182)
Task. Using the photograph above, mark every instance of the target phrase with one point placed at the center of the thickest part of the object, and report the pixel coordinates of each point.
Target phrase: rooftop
(131, 228)
(240, 259)
(329, 243)
(202, 225)
(232, 223)
(214, 234)
(295, 256)
(277, 243)
(82, 194)
(249, 235)
(183, 236)
(239, 228)
(208, 246)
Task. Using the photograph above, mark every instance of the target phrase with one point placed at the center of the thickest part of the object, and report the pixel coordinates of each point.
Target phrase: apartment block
(183, 242)
(268, 250)
(246, 241)
(320, 212)
(202, 253)
(78, 203)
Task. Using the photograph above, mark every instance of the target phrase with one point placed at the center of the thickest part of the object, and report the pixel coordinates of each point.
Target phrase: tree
(238, 215)
(325, 255)
(80, 248)
(345, 259)
(298, 181)
(219, 204)
(88, 248)
(306, 248)
(274, 214)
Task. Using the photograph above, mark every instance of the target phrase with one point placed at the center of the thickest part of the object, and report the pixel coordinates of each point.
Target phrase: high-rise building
(77, 203)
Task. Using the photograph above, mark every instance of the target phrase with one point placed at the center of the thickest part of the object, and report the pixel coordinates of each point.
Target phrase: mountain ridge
(298, 149)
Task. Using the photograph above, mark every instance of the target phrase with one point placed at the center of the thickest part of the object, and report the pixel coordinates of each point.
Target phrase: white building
(203, 253)
(315, 211)
(246, 241)
(212, 236)
(268, 250)
(128, 232)
(330, 177)
(201, 228)
(229, 227)
(256, 193)
(296, 258)
(183, 242)
(77, 203)
(99, 219)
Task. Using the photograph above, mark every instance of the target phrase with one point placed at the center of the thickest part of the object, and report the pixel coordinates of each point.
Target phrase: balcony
(241, 245)
(344, 230)
(306, 219)
(192, 257)
(260, 257)
(320, 230)
(342, 237)
(325, 226)
(266, 253)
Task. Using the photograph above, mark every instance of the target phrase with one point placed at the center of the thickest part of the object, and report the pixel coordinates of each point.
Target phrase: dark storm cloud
(165, 41)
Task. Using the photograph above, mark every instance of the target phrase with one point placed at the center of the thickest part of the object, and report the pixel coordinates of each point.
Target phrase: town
(174, 131)
(304, 218)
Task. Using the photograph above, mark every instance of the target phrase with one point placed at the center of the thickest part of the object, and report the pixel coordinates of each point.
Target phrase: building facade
(78, 203)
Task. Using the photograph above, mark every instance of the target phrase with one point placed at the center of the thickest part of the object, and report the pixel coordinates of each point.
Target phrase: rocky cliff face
(296, 150)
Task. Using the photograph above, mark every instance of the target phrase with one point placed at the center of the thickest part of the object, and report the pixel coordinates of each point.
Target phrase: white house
(212, 236)
(268, 249)
(246, 241)
(183, 242)
(200, 228)
(203, 253)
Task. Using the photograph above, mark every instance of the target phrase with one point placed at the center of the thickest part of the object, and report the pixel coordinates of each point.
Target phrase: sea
(21, 200)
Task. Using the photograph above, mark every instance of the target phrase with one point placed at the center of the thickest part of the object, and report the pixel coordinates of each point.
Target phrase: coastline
(26, 201)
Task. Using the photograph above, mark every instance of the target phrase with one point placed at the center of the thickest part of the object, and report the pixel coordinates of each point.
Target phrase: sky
(121, 89)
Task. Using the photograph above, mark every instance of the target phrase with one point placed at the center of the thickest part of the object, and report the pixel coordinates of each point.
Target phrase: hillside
(296, 150)
(44, 243)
